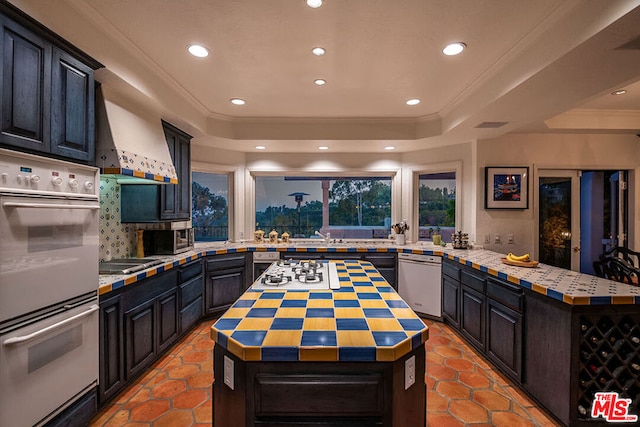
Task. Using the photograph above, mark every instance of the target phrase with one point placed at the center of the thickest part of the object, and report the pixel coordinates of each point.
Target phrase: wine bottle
(585, 355)
(634, 339)
(582, 410)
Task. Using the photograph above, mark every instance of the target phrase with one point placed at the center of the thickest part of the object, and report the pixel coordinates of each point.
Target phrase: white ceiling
(527, 62)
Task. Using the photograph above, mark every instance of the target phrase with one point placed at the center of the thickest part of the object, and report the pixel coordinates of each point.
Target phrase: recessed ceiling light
(320, 82)
(323, 147)
(237, 101)
(314, 3)
(414, 101)
(619, 92)
(198, 50)
(260, 147)
(454, 48)
(390, 147)
(318, 51)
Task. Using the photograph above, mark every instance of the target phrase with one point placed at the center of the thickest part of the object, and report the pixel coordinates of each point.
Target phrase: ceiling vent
(491, 125)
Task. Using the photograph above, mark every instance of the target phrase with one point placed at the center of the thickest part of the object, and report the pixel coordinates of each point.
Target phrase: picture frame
(506, 187)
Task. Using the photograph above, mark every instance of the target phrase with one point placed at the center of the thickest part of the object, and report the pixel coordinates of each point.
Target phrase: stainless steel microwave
(167, 242)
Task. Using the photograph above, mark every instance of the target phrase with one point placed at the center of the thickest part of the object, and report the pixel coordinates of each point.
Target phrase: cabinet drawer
(451, 271)
(190, 291)
(189, 271)
(299, 395)
(190, 314)
(225, 262)
(510, 295)
(472, 281)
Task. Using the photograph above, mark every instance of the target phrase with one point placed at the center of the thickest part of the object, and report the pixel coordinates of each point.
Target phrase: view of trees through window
(347, 207)
(210, 206)
(437, 205)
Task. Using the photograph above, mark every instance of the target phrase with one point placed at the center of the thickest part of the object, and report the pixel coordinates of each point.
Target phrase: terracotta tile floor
(462, 389)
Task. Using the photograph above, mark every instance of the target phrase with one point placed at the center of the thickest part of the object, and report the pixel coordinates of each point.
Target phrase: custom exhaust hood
(131, 145)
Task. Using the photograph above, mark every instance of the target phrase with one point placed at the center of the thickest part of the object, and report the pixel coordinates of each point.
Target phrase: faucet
(327, 237)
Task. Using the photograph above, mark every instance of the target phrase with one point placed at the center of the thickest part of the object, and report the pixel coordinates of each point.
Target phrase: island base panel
(319, 393)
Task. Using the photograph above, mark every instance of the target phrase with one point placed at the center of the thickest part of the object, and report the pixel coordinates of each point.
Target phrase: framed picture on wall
(506, 187)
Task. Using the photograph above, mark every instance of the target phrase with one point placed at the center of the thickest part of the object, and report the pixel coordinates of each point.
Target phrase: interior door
(559, 218)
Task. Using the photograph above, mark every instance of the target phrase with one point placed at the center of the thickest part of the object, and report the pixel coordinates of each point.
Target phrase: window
(210, 211)
(437, 205)
(347, 207)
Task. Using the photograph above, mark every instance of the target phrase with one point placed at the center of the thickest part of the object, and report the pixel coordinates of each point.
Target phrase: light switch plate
(228, 372)
(409, 372)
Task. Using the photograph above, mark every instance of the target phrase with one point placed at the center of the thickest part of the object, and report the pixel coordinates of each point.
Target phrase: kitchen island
(353, 356)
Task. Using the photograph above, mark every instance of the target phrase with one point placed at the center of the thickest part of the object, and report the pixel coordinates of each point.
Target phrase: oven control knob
(73, 183)
(56, 181)
(35, 179)
(88, 185)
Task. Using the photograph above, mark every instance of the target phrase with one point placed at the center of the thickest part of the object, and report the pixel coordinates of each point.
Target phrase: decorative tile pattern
(566, 286)
(117, 240)
(319, 329)
(121, 162)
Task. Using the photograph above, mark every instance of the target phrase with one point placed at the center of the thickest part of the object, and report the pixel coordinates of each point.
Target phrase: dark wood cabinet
(175, 199)
(505, 303)
(72, 108)
(191, 291)
(46, 92)
(451, 293)
(472, 308)
(111, 348)
(167, 329)
(26, 59)
(140, 344)
(318, 393)
(227, 277)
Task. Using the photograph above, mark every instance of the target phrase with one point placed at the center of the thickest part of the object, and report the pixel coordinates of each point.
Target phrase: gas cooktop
(299, 275)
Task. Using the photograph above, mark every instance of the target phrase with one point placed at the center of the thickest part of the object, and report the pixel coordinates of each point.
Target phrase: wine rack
(609, 360)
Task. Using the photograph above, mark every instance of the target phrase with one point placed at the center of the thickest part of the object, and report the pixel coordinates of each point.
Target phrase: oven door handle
(48, 206)
(48, 329)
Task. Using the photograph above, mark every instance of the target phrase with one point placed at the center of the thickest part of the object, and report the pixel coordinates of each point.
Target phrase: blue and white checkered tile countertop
(365, 320)
(563, 285)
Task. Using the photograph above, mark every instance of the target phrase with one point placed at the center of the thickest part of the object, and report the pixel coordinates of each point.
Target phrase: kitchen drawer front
(226, 262)
(381, 260)
(191, 314)
(511, 296)
(473, 281)
(190, 291)
(448, 269)
(301, 395)
(189, 271)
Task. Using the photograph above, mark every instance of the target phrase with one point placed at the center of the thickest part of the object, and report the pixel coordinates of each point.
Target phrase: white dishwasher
(420, 283)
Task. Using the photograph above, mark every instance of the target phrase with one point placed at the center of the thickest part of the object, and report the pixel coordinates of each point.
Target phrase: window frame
(231, 173)
(393, 174)
(415, 192)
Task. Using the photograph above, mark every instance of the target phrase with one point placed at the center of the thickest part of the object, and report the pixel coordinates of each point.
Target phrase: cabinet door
(140, 337)
(472, 316)
(167, 319)
(25, 89)
(504, 338)
(224, 288)
(176, 199)
(72, 108)
(111, 350)
(451, 301)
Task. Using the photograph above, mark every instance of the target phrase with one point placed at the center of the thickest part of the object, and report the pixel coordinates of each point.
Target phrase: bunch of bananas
(522, 258)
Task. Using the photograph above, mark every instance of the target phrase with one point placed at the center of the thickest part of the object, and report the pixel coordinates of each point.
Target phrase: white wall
(547, 151)
(537, 151)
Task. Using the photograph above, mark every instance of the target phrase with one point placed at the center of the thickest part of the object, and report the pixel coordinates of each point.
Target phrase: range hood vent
(131, 144)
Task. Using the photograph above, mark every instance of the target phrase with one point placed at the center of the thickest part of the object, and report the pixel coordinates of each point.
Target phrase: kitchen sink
(127, 265)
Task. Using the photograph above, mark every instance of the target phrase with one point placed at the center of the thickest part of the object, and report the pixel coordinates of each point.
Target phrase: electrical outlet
(487, 238)
(228, 373)
(510, 239)
(496, 238)
(242, 235)
(409, 372)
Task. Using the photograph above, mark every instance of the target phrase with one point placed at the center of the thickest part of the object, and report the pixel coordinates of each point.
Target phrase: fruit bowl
(527, 264)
